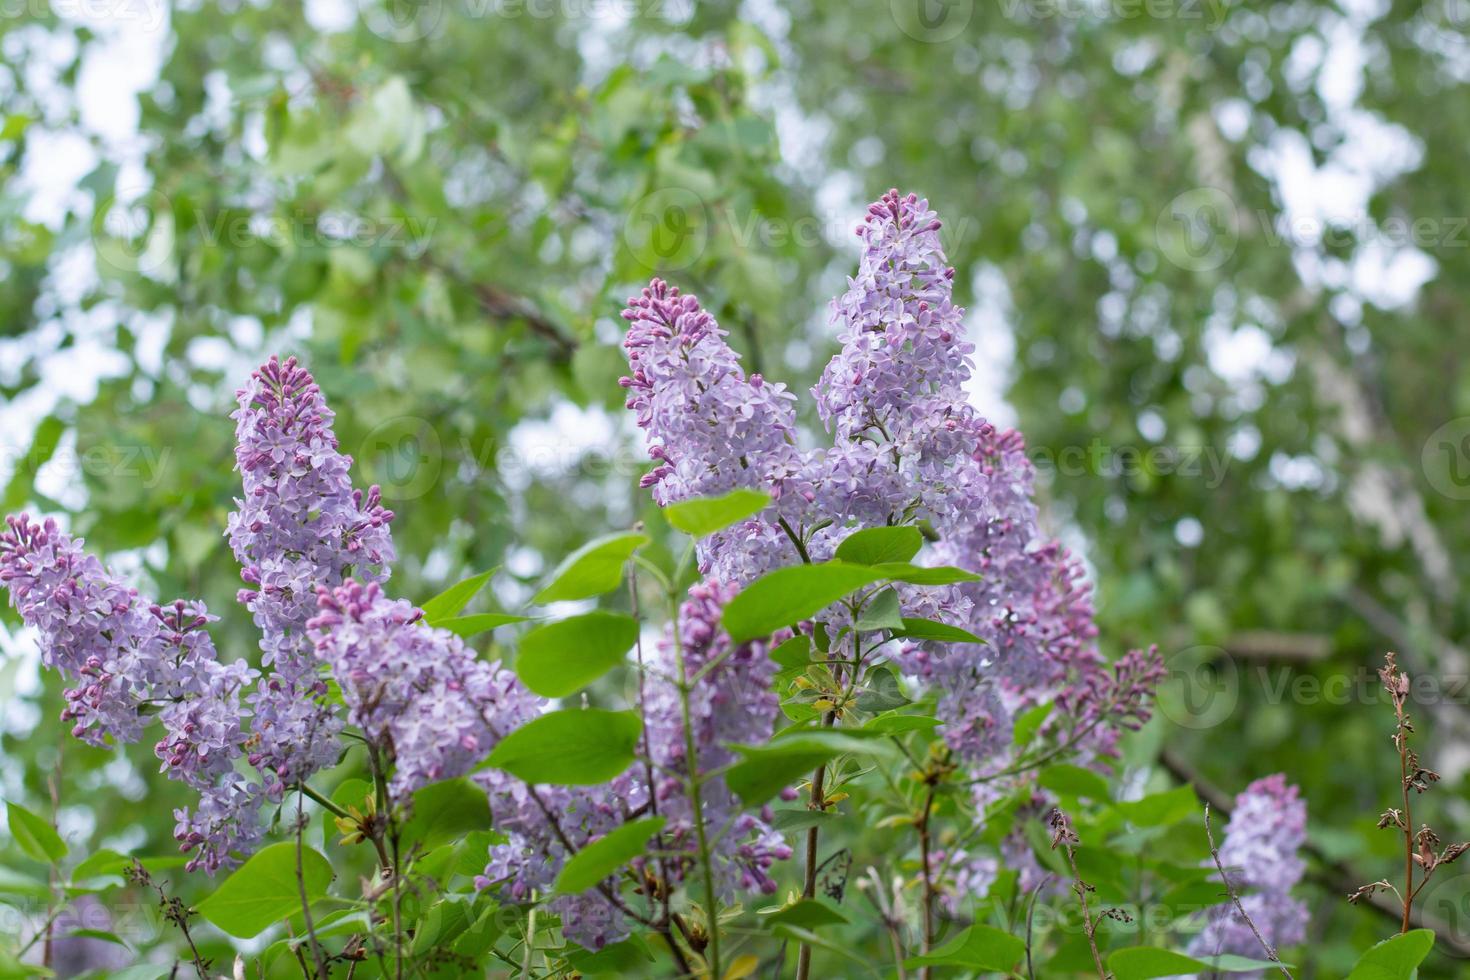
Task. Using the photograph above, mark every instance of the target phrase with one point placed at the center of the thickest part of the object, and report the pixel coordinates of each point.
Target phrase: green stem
(316, 949)
(321, 800)
(691, 750)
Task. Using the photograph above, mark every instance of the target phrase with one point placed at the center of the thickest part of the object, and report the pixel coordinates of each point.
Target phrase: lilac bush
(955, 687)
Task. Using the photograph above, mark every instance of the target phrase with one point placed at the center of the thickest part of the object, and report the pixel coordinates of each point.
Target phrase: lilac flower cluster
(300, 527)
(418, 694)
(1261, 853)
(907, 448)
(127, 656)
(93, 629)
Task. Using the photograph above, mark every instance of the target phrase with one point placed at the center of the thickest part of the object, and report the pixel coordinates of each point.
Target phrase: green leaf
(789, 595)
(452, 600)
(17, 883)
(1029, 722)
(592, 569)
(481, 934)
(102, 863)
(796, 935)
(795, 653)
(706, 515)
(570, 748)
(604, 857)
(919, 575)
(563, 657)
(629, 958)
(1396, 958)
(143, 971)
(441, 923)
(1074, 781)
(928, 629)
(37, 838)
(790, 821)
(445, 812)
(808, 914)
(882, 692)
(880, 613)
(880, 545)
(1161, 809)
(1147, 962)
(979, 947)
(100, 934)
(765, 770)
(264, 890)
(898, 724)
(467, 626)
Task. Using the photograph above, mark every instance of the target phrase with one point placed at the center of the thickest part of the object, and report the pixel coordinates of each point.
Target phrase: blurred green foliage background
(1215, 255)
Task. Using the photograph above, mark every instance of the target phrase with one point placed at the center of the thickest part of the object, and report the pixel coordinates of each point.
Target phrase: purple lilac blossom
(92, 628)
(126, 654)
(417, 693)
(300, 526)
(961, 878)
(1260, 854)
(712, 429)
(907, 448)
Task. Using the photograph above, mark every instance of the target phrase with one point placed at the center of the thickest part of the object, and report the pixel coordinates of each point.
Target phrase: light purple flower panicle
(1261, 855)
(417, 693)
(92, 628)
(125, 654)
(712, 429)
(907, 449)
(300, 526)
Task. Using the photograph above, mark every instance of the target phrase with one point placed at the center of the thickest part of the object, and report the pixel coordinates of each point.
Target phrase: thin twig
(701, 835)
(1235, 899)
(1333, 875)
(663, 889)
(928, 910)
(1030, 916)
(1063, 836)
(316, 949)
